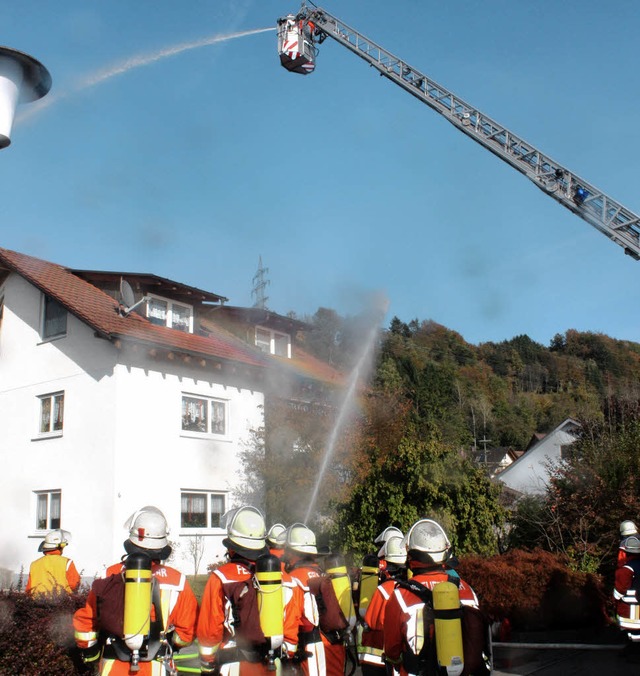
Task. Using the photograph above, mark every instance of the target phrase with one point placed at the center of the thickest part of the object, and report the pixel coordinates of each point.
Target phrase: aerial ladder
(298, 37)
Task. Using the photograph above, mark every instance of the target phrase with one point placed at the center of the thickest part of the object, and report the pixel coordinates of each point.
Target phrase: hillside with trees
(430, 399)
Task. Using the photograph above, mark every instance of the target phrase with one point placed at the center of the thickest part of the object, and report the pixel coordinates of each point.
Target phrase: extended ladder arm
(585, 200)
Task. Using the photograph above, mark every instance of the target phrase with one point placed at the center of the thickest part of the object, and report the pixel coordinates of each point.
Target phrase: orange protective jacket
(52, 573)
(395, 618)
(372, 640)
(178, 606)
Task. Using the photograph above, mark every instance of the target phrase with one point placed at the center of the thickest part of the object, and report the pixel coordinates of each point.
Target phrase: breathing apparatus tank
(137, 604)
(448, 628)
(268, 578)
(369, 578)
(336, 571)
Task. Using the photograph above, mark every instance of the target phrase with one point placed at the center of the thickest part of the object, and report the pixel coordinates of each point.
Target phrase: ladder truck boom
(298, 37)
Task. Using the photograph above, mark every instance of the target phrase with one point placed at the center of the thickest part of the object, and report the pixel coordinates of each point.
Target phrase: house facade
(119, 390)
(529, 474)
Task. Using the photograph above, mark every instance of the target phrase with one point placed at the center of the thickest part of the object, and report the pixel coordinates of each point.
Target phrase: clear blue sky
(193, 166)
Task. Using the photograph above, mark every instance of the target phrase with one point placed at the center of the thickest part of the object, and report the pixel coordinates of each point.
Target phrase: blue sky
(194, 165)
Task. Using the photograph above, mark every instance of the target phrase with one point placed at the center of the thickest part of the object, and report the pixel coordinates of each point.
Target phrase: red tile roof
(101, 312)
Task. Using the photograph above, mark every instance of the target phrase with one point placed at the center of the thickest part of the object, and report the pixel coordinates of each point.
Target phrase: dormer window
(273, 342)
(165, 312)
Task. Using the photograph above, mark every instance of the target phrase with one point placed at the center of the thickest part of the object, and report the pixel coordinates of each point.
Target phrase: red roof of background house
(102, 313)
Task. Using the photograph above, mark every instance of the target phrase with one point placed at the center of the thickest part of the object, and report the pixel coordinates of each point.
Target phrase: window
(48, 509)
(204, 415)
(51, 414)
(54, 322)
(273, 342)
(165, 312)
(200, 509)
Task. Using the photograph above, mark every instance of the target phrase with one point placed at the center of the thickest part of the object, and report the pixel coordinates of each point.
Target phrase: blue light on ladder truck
(580, 195)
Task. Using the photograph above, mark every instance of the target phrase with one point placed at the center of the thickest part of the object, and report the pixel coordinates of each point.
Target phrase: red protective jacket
(178, 606)
(626, 596)
(396, 627)
(372, 640)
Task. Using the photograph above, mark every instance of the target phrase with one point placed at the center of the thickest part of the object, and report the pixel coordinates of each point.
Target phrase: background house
(119, 390)
(530, 472)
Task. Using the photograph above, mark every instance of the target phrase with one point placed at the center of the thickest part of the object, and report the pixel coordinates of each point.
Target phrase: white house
(121, 390)
(530, 472)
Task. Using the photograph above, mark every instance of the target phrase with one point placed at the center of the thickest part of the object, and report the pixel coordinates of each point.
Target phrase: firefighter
(625, 593)
(53, 573)
(275, 539)
(371, 648)
(428, 549)
(321, 648)
(627, 528)
(229, 601)
(141, 610)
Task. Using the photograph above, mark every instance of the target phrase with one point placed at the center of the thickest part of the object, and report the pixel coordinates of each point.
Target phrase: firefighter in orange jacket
(428, 549)
(53, 573)
(171, 607)
(371, 648)
(229, 602)
(627, 529)
(625, 592)
(275, 539)
(321, 648)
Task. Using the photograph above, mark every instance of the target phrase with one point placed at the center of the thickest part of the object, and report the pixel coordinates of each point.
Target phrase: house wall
(530, 472)
(121, 447)
(82, 367)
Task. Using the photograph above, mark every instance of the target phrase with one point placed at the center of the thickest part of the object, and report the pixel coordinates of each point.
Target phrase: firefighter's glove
(91, 656)
(209, 667)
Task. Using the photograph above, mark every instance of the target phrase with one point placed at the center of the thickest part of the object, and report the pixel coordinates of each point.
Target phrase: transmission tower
(259, 285)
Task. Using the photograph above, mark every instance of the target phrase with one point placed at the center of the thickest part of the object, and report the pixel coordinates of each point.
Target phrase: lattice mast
(260, 283)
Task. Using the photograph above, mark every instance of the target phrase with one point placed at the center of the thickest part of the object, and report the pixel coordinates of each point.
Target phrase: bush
(36, 635)
(536, 591)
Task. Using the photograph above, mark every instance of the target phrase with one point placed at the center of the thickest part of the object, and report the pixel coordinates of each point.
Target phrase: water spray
(345, 407)
(122, 67)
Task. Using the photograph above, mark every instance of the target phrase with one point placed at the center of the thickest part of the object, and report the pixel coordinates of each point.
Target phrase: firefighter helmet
(631, 545)
(390, 531)
(246, 532)
(301, 539)
(393, 551)
(55, 539)
(628, 528)
(148, 533)
(274, 535)
(426, 537)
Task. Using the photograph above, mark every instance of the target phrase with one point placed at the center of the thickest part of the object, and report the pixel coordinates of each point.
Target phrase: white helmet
(393, 551)
(246, 530)
(55, 539)
(301, 539)
(628, 528)
(274, 536)
(148, 529)
(428, 537)
(631, 545)
(390, 531)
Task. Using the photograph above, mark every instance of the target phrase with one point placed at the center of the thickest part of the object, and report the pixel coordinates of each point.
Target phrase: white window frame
(272, 340)
(43, 329)
(189, 428)
(170, 305)
(207, 495)
(48, 503)
(51, 398)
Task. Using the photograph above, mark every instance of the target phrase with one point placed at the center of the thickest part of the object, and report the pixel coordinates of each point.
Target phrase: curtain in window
(45, 415)
(41, 512)
(157, 312)
(193, 510)
(56, 499)
(58, 411)
(180, 316)
(217, 510)
(195, 414)
(218, 422)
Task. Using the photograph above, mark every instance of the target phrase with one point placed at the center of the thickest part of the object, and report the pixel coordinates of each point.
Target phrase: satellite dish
(126, 293)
